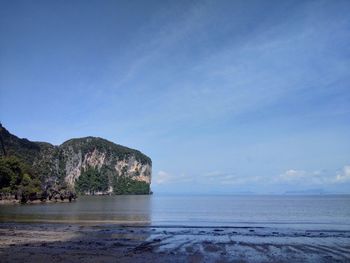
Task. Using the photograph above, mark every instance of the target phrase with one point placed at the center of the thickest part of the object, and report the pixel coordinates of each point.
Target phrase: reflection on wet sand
(106, 243)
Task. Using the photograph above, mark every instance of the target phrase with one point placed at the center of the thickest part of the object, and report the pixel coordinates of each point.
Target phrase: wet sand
(39, 242)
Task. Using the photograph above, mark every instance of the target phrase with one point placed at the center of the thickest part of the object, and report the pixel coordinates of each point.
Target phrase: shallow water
(319, 212)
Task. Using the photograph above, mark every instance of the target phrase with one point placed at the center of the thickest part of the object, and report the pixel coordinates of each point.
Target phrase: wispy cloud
(254, 72)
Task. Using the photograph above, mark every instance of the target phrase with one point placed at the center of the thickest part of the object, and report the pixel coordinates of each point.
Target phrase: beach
(51, 242)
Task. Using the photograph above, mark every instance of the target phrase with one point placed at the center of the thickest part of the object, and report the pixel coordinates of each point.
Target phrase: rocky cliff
(87, 165)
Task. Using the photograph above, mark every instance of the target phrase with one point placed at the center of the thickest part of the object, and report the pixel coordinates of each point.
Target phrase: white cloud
(241, 180)
(292, 174)
(344, 175)
(217, 175)
(314, 177)
(228, 178)
(163, 177)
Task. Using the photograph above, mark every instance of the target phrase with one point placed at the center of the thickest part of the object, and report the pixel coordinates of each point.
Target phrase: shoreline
(300, 226)
(18, 202)
(36, 242)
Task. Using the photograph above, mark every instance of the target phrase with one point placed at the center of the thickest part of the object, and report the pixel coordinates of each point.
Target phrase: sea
(330, 212)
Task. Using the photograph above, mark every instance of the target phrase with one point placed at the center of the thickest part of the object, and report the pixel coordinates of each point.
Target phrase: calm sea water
(323, 211)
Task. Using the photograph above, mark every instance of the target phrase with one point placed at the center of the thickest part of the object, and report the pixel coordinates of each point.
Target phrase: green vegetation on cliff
(91, 181)
(17, 179)
(23, 149)
(126, 185)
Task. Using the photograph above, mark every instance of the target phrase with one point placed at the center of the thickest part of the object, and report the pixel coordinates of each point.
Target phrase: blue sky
(224, 96)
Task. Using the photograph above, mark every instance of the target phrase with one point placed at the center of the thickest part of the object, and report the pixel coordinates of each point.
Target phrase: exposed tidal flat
(179, 229)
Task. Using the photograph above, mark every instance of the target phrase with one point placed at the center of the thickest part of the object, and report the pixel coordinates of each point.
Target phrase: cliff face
(89, 165)
(79, 155)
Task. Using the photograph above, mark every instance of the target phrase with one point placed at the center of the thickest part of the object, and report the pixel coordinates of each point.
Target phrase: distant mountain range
(307, 192)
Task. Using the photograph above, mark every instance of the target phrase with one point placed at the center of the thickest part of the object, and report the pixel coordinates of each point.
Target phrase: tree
(17, 179)
(91, 181)
(126, 185)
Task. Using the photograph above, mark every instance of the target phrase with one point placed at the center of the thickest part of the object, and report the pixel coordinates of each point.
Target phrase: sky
(224, 96)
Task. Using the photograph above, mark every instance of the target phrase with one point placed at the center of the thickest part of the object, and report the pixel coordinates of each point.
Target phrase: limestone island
(39, 171)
